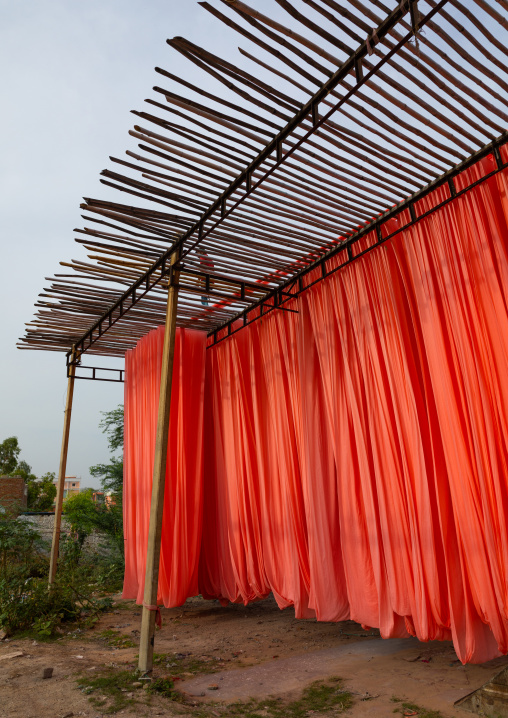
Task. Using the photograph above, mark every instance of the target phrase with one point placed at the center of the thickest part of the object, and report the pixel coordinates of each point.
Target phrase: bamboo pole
(61, 474)
(159, 478)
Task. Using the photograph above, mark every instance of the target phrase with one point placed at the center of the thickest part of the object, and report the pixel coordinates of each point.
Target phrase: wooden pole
(149, 614)
(61, 473)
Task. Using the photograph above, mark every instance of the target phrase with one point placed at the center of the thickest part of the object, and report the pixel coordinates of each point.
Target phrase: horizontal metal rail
(136, 292)
(273, 299)
(274, 150)
(94, 369)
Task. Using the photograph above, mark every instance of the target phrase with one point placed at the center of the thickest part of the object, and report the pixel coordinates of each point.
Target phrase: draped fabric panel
(356, 458)
(183, 499)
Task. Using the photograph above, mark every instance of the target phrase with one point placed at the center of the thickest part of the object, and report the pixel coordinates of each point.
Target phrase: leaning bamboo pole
(146, 646)
(55, 544)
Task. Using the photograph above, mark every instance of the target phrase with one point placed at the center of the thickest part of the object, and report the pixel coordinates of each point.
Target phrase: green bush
(26, 603)
(85, 516)
(41, 492)
(83, 576)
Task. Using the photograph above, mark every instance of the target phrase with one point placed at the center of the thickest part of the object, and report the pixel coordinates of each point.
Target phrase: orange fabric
(183, 500)
(356, 456)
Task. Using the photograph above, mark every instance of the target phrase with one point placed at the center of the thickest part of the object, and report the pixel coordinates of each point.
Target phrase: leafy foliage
(112, 425)
(41, 492)
(20, 544)
(23, 469)
(26, 604)
(107, 519)
(9, 452)
(85, 516)
(111, 476)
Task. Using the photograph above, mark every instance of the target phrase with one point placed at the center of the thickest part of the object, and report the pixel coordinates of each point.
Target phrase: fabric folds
(355, 452)
(183, 499)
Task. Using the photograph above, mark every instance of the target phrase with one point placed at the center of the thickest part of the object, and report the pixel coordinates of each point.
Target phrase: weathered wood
(269, 48)
(406, 118)
(55, 544)
(146, 645)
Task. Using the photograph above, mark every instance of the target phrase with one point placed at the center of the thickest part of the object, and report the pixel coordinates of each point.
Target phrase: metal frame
(287, 289)
(274, 149)
(94, 369)
(141, 288)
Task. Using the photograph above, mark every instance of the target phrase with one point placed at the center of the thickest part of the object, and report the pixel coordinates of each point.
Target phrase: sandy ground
(256, 651)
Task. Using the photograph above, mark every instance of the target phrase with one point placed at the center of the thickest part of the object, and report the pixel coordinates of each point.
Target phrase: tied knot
(158, 617)
(371, 41)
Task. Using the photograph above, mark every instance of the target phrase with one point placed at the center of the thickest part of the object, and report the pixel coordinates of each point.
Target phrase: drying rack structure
(340, 117)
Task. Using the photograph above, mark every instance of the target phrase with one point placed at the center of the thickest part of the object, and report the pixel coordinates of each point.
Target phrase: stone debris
(412, 657)
(47, 673)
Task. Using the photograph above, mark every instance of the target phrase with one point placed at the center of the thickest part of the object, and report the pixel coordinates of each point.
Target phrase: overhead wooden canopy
(331, 122)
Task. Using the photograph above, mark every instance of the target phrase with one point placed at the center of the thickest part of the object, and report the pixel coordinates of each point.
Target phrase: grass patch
(408, 708)
(116, 639)
(163, 687)
(115, 689)
(178, 664)
(110, 691)
(319, 697)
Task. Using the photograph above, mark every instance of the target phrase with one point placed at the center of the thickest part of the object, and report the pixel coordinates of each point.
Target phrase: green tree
(111, 475)
(23, 469)
(112, 425)
(41, 492)
(85, 516)
(9, 452)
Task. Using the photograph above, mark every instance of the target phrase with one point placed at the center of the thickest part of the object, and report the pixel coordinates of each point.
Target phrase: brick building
(13, 493)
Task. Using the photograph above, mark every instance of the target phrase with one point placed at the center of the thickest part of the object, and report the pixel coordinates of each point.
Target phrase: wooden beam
(61, 473)
(149, 614)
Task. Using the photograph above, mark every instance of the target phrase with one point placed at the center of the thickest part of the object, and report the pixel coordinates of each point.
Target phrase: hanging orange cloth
(356, 453)
(183, 501)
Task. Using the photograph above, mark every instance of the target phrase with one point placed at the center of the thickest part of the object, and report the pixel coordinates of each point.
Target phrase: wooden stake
(61, 474)
(159, 479)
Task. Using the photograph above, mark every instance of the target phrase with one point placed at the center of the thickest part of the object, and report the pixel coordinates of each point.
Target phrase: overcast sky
(71, 73)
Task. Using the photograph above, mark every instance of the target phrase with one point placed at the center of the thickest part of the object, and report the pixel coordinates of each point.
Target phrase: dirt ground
(217, 655)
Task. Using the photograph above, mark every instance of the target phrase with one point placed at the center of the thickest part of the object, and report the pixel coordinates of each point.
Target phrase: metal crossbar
(493, 148)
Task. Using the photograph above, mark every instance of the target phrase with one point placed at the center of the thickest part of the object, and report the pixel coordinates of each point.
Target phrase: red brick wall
(12, 492)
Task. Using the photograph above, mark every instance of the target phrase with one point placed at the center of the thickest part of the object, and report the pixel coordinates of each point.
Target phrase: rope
(158, 617)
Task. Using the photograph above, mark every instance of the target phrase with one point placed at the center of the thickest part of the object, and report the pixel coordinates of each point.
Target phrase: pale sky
(71, 73)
